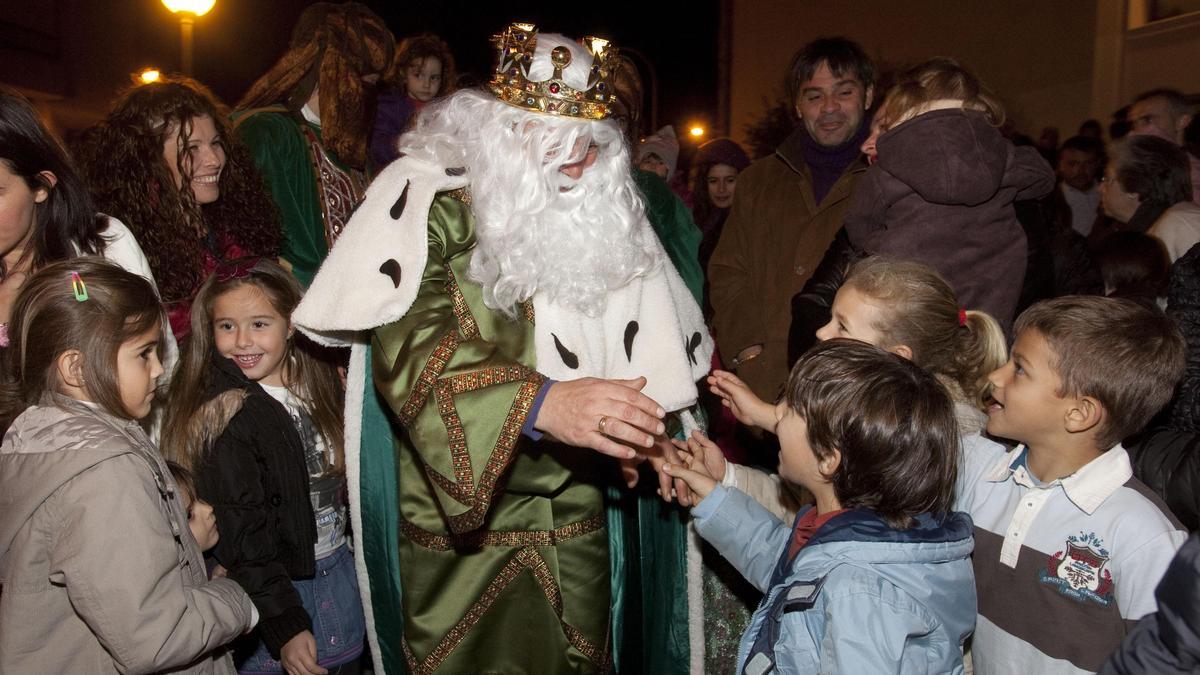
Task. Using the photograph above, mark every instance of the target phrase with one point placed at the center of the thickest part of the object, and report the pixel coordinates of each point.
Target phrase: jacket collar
(1087, 488)
(791, 153)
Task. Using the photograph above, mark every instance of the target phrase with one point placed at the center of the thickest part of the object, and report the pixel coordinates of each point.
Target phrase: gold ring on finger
(600, 426)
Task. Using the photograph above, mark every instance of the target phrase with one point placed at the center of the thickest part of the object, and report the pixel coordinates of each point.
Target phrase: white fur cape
(651, 327)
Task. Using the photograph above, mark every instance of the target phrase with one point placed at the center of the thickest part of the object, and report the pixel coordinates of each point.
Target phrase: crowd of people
(377, 371)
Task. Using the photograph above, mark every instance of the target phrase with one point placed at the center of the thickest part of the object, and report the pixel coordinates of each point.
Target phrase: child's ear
(70, 369)
(828, 465)
(1084, 414)
(903, 351)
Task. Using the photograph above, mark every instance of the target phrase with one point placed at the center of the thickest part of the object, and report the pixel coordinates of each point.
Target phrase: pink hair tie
(962, 316)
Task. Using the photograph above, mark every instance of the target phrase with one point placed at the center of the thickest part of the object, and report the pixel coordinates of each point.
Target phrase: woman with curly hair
(165, 162)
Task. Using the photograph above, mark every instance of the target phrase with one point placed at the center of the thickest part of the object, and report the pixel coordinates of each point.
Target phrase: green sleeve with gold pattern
(458, 376)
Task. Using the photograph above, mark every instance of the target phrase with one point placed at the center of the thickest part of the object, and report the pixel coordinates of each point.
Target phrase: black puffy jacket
(1183, 304)
(812, 305)
(1168, 641)
(1168, 462)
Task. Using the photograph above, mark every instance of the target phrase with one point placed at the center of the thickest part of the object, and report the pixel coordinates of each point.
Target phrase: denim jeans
(331, 598)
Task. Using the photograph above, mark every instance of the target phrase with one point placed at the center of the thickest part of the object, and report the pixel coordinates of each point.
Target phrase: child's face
(1027, 406)
(249, 330)
(797, 461)
(201, 521)
(138, 370)
(654, 164)
(424, 79)
(855, 316)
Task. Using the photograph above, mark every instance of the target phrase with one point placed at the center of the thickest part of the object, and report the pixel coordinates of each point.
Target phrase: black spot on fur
(691, 347)
(391, 268)
(456, 171)
(630, 332)
(569, 359)
(401, 201)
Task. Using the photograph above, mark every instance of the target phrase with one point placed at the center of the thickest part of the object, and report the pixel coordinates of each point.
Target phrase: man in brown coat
(787, 209)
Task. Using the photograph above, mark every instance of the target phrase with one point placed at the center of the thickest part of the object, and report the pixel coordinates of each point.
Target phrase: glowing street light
(188, 10)
(149, 75)
(696, 131)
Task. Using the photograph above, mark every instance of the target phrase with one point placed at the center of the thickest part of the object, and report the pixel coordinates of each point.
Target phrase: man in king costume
(519, 325)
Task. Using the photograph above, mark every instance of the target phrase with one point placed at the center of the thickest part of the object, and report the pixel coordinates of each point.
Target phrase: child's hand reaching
(704, 465)
(747, 408)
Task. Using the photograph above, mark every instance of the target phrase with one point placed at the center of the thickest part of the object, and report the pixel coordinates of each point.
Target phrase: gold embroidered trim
(525, 559)
(462, 194)
(462, 311)
(501, 454)
(483, 538)
(462, 488)
(527, 309)
(481, 379)
(429, 376)
(338, 191)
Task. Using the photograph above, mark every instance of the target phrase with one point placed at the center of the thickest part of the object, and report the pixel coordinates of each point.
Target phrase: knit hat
(722, 151)
(663, 144)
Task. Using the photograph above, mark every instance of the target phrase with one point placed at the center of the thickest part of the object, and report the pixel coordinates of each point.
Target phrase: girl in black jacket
(257, 419)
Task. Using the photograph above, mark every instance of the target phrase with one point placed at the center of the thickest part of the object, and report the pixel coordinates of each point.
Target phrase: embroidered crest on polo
(1078, 571)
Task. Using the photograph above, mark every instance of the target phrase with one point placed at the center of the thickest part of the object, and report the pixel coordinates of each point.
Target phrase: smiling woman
(164, 161)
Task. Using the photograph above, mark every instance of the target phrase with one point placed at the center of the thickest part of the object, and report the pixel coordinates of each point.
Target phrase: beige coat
(100, 573)
(774, 238)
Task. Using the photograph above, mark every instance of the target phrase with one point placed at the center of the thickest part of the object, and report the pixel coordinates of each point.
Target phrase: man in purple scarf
(787, 209)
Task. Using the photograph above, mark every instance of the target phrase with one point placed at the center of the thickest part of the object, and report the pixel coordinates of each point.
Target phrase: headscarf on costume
(349, 42)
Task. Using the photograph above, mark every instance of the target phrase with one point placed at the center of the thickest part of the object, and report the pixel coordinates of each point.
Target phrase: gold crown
(511, 82)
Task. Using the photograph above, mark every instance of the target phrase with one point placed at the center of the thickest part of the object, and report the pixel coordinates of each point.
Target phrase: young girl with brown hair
(257, 418)
(97, 569)
(422, 71)
(902, 307)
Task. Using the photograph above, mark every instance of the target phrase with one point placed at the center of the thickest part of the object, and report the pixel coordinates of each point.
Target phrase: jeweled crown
(512, 85)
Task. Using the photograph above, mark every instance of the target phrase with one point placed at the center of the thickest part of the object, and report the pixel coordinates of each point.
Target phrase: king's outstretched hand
(609, 416)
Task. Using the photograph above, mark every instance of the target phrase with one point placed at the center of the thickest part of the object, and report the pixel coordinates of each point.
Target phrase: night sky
(240, 39)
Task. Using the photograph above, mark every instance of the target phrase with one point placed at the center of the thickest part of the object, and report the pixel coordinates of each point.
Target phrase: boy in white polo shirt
(1068, 545)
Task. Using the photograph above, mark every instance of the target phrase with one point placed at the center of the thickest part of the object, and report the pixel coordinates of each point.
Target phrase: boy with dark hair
(875, 577)
(1069, 546)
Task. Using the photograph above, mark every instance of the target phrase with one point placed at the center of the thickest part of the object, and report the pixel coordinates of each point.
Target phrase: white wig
(538, 230)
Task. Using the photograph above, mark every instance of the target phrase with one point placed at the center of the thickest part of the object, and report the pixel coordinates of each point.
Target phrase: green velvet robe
(282, 155)
(502, 545)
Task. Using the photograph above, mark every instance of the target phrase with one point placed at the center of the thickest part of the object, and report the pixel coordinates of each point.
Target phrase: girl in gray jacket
(100, 573)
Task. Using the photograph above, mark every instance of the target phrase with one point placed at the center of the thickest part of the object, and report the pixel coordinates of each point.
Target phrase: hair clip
(78, 287)
(962, 316)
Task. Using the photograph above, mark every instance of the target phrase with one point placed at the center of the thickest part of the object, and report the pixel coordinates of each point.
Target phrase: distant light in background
(187, 11)
(696, 131)
(149, 75)
(196, 7)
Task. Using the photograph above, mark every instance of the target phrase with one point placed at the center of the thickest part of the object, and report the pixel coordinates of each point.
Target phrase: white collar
(1087, 488)
(310, 115)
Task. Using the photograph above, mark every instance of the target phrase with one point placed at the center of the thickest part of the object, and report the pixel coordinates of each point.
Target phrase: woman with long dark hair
(165, 162)
(46, 214)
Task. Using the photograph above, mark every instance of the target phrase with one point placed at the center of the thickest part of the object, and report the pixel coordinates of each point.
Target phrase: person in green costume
(516, 326)
(306, 124)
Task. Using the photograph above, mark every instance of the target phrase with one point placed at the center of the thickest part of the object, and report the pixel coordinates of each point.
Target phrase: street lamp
(696, 131)
(188, 10)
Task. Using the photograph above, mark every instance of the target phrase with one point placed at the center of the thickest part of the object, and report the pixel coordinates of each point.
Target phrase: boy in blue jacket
(876, 577)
